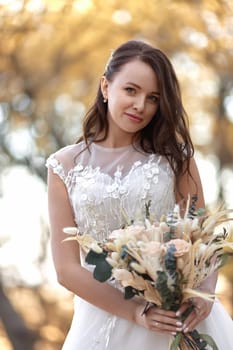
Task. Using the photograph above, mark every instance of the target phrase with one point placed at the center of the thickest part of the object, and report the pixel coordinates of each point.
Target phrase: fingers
(201, 309)
(182, 309)
(167, 313)
(163, 327)
(192, 320)
(162, 321)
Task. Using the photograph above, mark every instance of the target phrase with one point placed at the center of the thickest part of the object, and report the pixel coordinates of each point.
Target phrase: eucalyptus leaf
(94, 258)
(103, 271)
(129, 292)
(169, 299)
(176, 342)
(209, 340)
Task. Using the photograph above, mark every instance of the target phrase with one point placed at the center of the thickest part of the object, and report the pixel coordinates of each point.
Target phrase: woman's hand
(201, 309)
(159, 320)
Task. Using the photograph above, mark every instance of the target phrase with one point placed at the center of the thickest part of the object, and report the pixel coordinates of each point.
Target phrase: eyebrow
(139, 87)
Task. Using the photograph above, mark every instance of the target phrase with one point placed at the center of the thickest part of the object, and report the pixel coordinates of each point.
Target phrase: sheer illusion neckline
(111, 149)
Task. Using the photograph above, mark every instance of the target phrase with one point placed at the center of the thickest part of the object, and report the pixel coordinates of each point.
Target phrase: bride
(135, 148)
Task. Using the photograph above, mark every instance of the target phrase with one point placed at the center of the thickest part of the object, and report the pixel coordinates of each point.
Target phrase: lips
(134, 117)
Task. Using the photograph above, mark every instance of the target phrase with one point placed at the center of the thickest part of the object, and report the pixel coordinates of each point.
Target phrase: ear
(104, 87)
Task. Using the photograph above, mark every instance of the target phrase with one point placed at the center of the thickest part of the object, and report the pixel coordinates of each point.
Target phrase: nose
(139, 103)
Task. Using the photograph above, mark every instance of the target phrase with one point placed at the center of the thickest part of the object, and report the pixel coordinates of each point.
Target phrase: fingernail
(173, 333)
(185, 330)
(179, 329)
(178, 323)
(178, 313)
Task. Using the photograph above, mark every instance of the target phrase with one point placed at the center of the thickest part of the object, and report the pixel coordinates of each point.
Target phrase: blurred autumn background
(52, 53)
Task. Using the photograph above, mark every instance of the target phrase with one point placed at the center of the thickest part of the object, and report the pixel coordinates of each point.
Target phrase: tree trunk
(19, 335)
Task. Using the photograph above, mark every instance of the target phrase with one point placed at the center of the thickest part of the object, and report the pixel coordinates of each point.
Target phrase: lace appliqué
(56, 166)
(102, 203)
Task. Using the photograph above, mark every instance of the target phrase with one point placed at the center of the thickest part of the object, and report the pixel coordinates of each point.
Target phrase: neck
(116, 141)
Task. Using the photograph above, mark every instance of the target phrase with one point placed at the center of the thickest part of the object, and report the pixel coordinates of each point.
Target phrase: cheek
(118, 101)
(111, 106)
(151, 112)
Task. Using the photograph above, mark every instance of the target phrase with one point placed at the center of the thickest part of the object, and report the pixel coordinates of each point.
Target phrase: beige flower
(164, 227)
(122, 274)
(182, 247)
(116, 234)
(180, 263)
(154, 233)
(152, 248)
(130, 231)
(137, 267)
(152, 295)
(127, 278)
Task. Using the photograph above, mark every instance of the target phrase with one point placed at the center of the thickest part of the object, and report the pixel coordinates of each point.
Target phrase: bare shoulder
(63, 160)
(68, 153)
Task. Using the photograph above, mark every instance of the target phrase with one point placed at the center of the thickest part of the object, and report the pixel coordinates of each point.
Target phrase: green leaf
(170, 260)
(170, 300)
(209, 340)
(130, 292)
(103, 271)
(176, 342)
(201, 211)
(93, 258)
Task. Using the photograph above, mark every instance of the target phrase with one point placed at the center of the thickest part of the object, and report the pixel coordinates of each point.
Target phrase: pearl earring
(105, 100)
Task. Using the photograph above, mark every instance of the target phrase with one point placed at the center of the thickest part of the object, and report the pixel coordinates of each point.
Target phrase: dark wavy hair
(167, 134)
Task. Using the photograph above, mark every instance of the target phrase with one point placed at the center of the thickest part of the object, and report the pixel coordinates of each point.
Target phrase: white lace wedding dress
(103, 185)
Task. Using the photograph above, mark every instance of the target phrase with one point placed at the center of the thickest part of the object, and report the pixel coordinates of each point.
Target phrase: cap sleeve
(53, 163)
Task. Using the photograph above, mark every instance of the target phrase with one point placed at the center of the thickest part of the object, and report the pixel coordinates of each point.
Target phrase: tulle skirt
(94, 329)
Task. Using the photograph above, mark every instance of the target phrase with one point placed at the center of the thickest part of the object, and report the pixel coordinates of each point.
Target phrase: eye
(153, 98)
(130, 90)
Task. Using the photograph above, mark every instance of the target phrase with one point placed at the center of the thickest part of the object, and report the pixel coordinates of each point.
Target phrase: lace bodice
(110, 187)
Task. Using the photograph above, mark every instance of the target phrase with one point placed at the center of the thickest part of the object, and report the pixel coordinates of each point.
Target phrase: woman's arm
(80, 281)
(190, 185)
(66, 257)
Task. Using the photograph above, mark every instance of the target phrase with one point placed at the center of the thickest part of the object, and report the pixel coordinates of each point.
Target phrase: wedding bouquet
(163, 262)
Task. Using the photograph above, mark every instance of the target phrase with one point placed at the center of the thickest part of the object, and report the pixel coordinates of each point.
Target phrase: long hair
(167, 133)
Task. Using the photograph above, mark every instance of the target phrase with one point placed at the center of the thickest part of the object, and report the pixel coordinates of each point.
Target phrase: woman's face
(133, 98)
